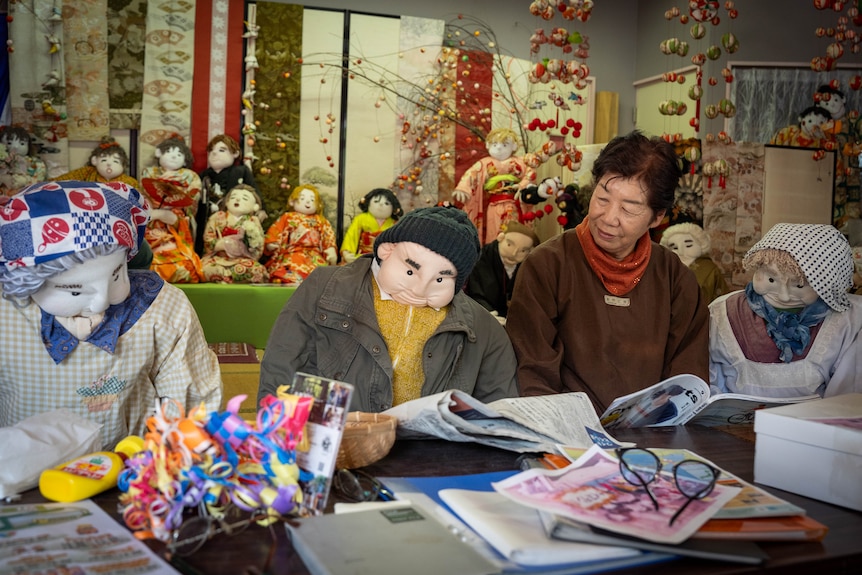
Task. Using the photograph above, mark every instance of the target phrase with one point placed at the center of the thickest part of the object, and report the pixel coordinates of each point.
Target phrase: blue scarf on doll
(791, 331)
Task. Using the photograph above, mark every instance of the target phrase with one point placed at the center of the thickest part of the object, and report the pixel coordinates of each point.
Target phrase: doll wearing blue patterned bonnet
(820, 254)
(44, 223)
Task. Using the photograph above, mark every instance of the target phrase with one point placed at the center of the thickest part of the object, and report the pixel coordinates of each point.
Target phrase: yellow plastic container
(88, 475)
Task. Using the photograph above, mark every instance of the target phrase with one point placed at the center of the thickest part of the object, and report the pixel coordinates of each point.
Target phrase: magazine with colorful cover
(686, 399)
(750, 502)
(594, 491)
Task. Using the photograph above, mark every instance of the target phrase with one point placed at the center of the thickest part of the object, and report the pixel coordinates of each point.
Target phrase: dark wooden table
(840, 551)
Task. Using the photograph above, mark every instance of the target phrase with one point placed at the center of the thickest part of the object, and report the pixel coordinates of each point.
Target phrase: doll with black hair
(380, 210)
(20, 167)
(173, 191)
(233, 240)
(108, 163)
(221, 175)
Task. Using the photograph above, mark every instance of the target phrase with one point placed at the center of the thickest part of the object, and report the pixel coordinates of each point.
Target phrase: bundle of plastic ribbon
(209, 462)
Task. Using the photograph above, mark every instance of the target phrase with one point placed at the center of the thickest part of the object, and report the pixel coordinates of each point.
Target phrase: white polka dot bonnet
(822, 253)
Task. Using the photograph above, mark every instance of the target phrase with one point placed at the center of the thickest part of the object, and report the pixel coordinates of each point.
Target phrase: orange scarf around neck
(618, 277)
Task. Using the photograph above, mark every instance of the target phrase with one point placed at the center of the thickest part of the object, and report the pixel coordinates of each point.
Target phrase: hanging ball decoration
(712, 81)
(692, 154)
(695, 92)
(713, 52)
(730, 42)
(711, 111)
(698, 31)
(727, 108)
(682, 49)
(698, 59)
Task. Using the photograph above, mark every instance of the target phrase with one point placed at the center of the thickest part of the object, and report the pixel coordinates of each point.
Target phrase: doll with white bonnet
(82, 332)
(794, 330)
(692, 244)
(233, 240)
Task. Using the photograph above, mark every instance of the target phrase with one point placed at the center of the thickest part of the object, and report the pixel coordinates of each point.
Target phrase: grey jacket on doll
(329, 328)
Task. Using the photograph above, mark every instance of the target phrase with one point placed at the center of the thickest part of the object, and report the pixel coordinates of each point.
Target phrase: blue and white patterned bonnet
(823, 254)
(49, 220)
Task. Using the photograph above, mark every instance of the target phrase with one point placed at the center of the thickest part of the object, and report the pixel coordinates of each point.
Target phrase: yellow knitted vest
(405, 330)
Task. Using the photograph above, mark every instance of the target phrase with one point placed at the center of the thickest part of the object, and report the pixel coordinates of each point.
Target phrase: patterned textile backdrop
(168, 74)
(37, 86)
(127, 30)
(86, 58)
(733, 208)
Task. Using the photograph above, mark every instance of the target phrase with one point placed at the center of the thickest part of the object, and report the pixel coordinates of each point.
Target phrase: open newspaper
(684, 399)
(520, 424)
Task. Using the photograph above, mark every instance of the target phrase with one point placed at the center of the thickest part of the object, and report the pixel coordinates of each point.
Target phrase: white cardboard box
(797, 451)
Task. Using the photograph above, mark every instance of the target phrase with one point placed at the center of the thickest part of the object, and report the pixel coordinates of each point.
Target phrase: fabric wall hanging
(168, 74)
(127, 30)
(218, 82)
(85, 31)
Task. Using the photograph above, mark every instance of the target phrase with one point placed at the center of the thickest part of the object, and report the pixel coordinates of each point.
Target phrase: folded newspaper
(684, 399)
(520, 424)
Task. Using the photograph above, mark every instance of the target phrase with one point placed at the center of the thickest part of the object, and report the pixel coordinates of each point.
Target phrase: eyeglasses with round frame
(694, 479)
(355, 485)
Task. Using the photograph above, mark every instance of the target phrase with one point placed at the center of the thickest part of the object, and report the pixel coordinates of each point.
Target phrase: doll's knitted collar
(119, 319)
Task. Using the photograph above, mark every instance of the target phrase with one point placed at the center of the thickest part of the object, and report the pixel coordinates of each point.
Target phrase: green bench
(237, 312)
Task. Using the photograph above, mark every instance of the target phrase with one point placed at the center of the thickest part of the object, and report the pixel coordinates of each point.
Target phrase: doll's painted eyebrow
(413, 263)
(69, 286)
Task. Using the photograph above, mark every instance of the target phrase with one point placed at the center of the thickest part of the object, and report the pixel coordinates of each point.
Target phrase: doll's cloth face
(502, 150)
(685, 246)
(241, 202)
(416, 276)
(172, 159)
(305, 203)
(87, 289)
(380, 207)
(782, 291)
(109, 166)
(220, 157)
(835, 105)
(811, 124)
(16, 145)
(514, 248)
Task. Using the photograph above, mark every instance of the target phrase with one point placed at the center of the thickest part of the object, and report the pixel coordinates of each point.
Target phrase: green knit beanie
(446, 231)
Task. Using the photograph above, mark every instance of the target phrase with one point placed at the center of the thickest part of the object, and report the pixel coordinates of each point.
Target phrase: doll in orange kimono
(173, 191)
(301, 239)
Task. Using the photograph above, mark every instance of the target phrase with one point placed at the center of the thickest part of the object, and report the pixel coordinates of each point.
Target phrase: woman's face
(619, 215)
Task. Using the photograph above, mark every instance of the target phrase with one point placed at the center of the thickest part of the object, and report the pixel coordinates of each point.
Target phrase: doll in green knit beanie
(396, 323)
